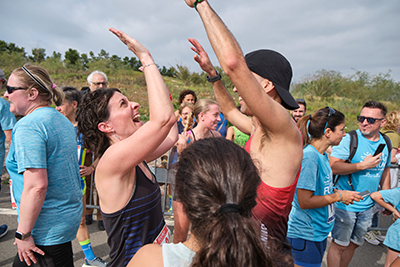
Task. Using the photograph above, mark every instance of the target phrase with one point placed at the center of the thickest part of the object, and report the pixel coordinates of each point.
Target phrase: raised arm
(234, 65)
(224, 99)
(340, 167)
(146, 140)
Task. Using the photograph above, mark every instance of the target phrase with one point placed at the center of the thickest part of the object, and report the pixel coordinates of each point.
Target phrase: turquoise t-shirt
(392, 239)
(316, 175)
(363, 180)
(7, 122)
(46, 139)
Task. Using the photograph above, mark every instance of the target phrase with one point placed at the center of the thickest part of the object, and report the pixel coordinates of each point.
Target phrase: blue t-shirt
(316, 175)
(392, 239)
(46, 139)
(7, 122)
(368, 179)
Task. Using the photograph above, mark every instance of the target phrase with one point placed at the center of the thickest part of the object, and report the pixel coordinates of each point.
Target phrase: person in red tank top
(262, 79)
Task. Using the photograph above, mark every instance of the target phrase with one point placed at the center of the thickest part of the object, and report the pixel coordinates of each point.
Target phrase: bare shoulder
(149, 255)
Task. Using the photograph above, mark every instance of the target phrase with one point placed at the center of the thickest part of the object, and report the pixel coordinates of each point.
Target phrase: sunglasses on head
(369, 119)
(331, 112)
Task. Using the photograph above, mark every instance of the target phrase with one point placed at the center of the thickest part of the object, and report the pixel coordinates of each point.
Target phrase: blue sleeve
(309, 171)
(30, 148)
(342, 151)
(7, 119)
(391, 196)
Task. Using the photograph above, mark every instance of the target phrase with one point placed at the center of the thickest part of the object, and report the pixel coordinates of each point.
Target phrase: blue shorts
(351, 226)
(307, 253)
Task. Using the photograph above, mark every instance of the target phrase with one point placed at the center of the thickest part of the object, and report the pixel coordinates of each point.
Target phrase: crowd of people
(237, 199)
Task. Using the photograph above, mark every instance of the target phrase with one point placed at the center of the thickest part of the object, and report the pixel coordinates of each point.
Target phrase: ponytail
(216, 182)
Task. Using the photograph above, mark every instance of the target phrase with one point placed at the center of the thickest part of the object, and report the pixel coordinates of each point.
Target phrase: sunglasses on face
(369, 119)
(330, 114)
(11, 89)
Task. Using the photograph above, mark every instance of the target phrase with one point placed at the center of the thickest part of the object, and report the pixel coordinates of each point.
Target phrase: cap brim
(287, 99)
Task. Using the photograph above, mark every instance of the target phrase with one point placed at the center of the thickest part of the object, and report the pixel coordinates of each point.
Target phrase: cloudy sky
(340, 35)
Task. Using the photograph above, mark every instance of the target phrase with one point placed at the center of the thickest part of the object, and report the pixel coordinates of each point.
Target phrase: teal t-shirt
(368, 179)
(7, 122)
(392, 239)
(46, 139)
(316, 175)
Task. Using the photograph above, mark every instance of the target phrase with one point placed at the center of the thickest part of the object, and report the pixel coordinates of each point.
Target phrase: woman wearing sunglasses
(312, 215)
(130, 198)
(42, 163)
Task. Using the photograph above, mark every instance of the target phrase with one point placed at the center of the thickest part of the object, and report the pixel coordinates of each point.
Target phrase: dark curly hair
(184, 93)
(212, 172)
(92, 111)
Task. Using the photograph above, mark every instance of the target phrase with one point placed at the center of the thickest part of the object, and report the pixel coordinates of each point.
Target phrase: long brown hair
(213, 172)
(92, 111)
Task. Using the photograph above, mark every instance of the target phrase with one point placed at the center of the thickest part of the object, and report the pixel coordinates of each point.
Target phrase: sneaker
(3, 230)
(378, 235)
(96, 262)
(370, 238)
(100, 225)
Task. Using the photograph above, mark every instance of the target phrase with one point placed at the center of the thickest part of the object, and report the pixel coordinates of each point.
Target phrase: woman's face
(185, 113)
(68, 110)
(211, 118)
(19, 99)
(124, 116)
(189, 98)
(338, 134)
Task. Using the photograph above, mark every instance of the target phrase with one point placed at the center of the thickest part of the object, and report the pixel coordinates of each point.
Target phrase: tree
(38, 55)
(72, 56)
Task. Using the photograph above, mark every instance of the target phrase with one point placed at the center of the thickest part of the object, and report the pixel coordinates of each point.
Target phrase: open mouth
(136, 118)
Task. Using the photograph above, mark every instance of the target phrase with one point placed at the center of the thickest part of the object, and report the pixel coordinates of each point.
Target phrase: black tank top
(137, 224)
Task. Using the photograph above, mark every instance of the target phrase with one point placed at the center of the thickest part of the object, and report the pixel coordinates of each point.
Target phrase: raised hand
(201, 57)
(137, 48)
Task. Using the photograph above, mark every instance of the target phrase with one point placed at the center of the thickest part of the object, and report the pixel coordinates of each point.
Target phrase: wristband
(215, 78)
(21, 236)
(195, 3)
(341, 199)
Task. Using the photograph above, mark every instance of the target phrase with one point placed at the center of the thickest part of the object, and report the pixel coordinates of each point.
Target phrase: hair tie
(310, 117)
(229, 207)
(53, 86)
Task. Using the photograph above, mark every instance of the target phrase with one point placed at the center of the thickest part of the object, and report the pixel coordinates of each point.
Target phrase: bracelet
(92, 167)
(148, 65)
(195, 3)
(341, 199)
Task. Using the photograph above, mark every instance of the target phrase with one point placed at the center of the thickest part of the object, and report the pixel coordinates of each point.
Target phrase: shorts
(307, 253)
(55, 256)
(351, 226)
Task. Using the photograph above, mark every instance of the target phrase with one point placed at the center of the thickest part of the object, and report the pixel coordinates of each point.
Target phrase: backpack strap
(352, 148)
(387, 140)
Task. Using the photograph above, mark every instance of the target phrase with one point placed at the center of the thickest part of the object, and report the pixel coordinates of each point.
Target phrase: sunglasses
(11, 89)
(97, 84)
(331, 112)
(369, 119)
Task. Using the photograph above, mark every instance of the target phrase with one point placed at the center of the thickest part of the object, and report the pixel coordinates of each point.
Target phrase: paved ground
(365, 256)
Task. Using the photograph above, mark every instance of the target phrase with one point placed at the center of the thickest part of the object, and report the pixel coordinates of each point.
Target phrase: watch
(215, 78)
(21, 236)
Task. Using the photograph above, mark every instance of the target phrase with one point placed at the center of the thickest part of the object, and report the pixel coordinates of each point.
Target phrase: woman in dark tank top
(129, 193)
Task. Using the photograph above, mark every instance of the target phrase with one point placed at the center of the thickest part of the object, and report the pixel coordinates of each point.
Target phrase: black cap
(275, 67)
